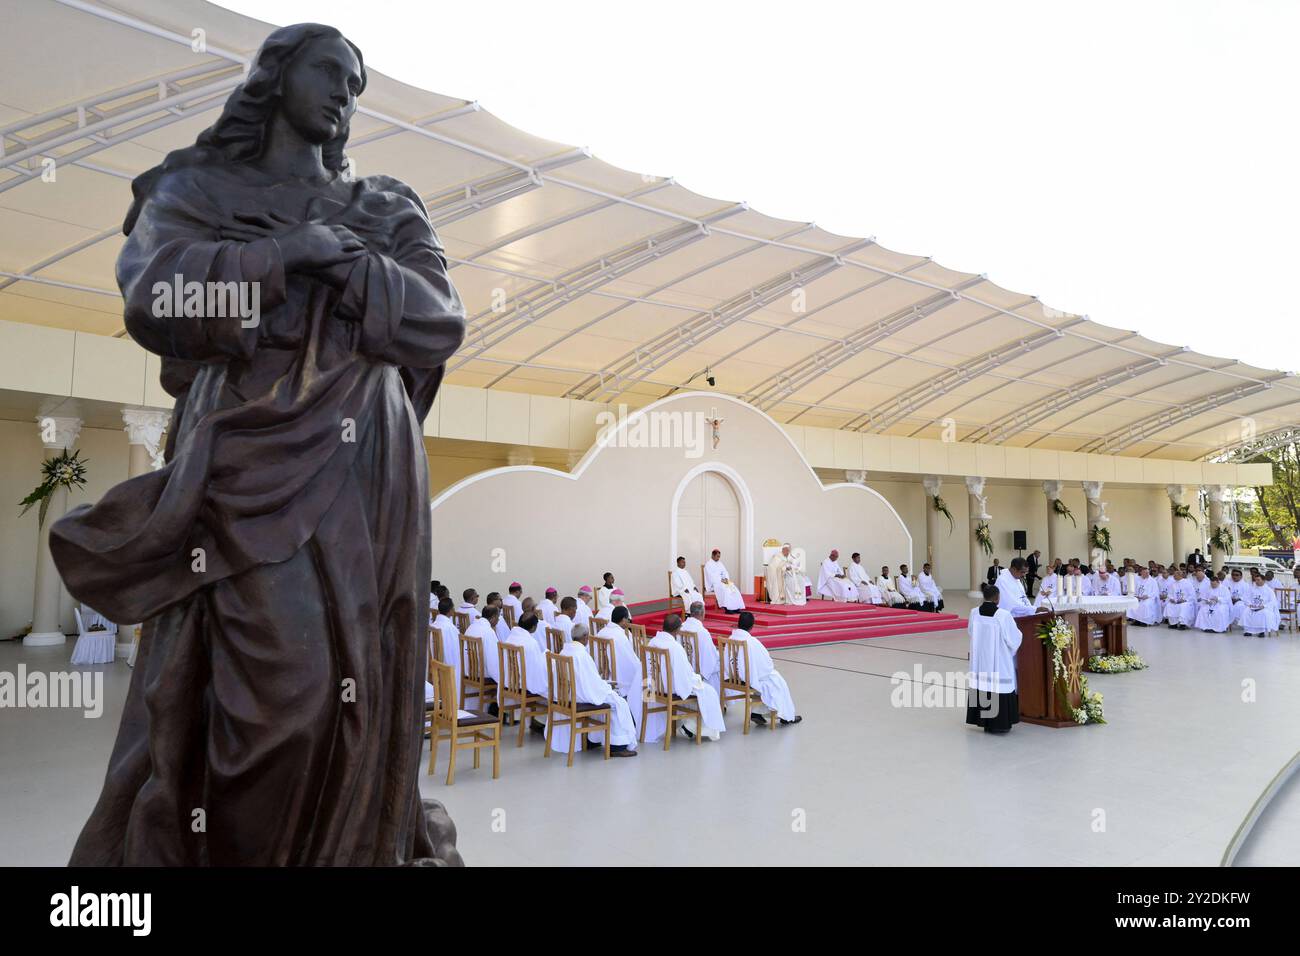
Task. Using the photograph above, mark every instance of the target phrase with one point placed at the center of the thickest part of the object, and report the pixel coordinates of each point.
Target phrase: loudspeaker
(1018, 540)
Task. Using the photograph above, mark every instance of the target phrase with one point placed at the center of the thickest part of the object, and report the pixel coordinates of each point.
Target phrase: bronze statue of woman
(280, 558)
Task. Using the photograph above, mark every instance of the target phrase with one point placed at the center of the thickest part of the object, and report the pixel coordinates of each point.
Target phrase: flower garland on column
(941, 506)
(983, 537)
(61, 471)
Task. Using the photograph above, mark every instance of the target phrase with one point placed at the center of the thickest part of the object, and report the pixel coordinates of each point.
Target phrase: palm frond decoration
(61, 471)
(1185, 512)
(1059, 507)
(941, 506)
(983, 537)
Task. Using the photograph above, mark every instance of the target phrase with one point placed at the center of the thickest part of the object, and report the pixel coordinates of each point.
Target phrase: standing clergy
(1181, 604)
(603, 593)
(590, 688)
(1011, 590)
(930, 587)
(718, 580)
(706, 649)
(683, 585)
(887, 590)
(833, 583)
(1149, 610)
(992, 701)
(686, 683)
(763, 677)
(1215, 611)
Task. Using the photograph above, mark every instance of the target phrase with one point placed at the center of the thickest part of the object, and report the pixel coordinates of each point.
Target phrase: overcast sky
(1136, 162)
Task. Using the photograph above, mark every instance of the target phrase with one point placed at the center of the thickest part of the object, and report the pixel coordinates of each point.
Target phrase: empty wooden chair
(602, 652)
(509, 613)
(1286, 604)
(565, 710)
(462, 620)
(472, 732)
(735, 686)
(512, 691)
(474, 681)
(658, 696)
(554, 640)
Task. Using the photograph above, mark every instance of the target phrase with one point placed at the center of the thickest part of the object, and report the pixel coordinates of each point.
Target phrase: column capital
(1092, 489)
(975, 485)
(932, 484)
(60, 433)
(1053, 489)
(1219, 493)
(1176, 493)
(145, 426)
(858, 477)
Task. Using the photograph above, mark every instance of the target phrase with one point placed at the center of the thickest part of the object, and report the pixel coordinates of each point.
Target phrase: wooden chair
(672, 597)
(462, 620)
(555, 640)
(638, 635)
(735, 684)
(690, 642)
(658, 696)
(512, 691)
(465, 733)
(598, 624)
(474, 681)
(602, 652)
(435, 645)
(565, 710)
(1286, 603)
(509, 613)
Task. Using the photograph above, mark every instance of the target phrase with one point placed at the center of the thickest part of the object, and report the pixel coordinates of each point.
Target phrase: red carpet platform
(817, 622)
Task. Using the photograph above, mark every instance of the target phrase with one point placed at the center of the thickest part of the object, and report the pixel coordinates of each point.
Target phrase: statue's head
(308, 73)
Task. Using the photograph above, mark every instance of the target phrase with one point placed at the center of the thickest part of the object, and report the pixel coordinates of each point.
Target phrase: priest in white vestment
(1107, 583)
(1215, 611)
(868, 593)
(912, 594)
(1236, 586)
(684, 585)
(590, 688)
(615, 601)
(445, 631)
(1148, 611)
(514, 600)
(1048, 595)
(1258, 601)
(708, 651)
(484, 628)
(686, 683)
(547, 608)
(469, 604)
(887, 590)
(833, 582)
(603, 594)
(930, 587)
(565, 618)
(763, 676)
(718, 580)
(1181, 603)
(583, 614)
(524, 634)
(993, 701)
(1011, 589)
(627, 664)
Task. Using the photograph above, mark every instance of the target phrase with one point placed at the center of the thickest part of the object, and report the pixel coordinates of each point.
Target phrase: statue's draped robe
(280, 559)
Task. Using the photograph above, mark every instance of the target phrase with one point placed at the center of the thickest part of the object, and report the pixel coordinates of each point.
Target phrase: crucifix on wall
(715, 423)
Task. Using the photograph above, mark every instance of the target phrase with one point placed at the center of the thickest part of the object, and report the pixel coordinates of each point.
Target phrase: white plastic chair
(93, 647)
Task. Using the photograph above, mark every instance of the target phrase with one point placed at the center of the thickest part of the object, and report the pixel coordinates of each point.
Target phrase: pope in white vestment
(684, 585)
(785, 584)
(718, 580)
(686, 683)
(591, 688)
(764, 678)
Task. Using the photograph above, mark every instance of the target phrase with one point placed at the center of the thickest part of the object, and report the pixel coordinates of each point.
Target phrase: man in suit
(1033, 565)
(994, 570)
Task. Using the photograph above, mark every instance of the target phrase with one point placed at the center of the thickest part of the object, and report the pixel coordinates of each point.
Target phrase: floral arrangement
(1185, 512)
(1116, 663)
(983, 537)
(941, 506)
(1090, 709)
(1059, 507)
(1058, 635)
(1099, 538)
(1221, 539)
(61, 471)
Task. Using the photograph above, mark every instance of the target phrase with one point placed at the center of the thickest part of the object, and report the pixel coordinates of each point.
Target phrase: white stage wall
(616, 510)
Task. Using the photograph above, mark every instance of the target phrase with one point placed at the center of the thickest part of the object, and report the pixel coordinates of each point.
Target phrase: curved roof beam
(1260, 445)
(1143, 429)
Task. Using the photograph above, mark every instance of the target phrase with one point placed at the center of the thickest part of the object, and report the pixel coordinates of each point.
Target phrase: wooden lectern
(1035, 681)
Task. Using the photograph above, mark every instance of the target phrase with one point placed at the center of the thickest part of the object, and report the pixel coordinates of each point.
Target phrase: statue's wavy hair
(239, 133)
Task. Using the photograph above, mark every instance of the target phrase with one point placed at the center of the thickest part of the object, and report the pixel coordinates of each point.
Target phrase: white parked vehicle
(1248, 561)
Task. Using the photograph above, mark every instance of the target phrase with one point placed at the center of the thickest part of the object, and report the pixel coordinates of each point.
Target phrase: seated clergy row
(625, 697)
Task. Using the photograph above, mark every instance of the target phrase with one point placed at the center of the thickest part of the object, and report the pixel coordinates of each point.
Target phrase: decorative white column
(57, 435)
(144, 429)
(1218, 496)
(932, 484)
(978, 514)
(1052, 489)
(1177, 497)
(1096, 518)
(856, 477)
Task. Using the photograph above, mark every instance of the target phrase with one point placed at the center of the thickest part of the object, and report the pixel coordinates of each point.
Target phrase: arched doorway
(711, 510)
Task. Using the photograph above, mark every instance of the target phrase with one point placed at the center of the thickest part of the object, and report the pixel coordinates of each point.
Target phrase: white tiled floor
(859, 781)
